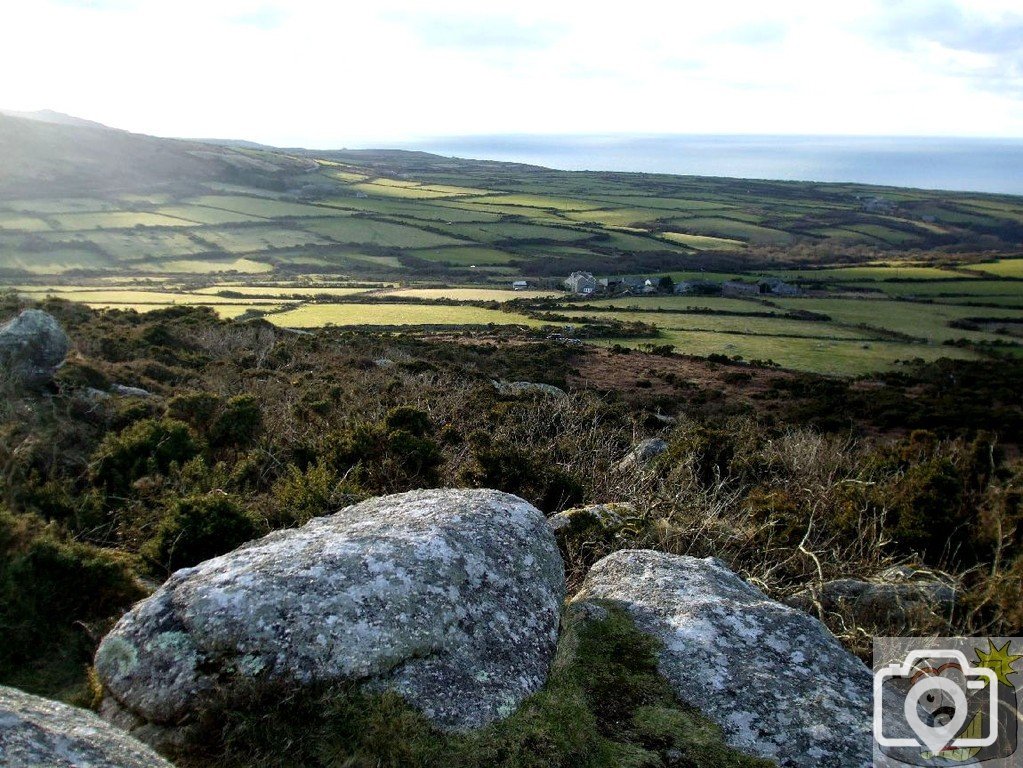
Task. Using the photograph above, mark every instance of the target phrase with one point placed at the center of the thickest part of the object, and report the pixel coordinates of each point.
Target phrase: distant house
(520, 285)
(582, 283)
(649, 286)
(361, 194)
(779, 287)
(741, 288)
(697, 288)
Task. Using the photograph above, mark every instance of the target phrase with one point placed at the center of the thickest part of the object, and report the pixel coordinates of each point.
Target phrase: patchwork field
(884, 274)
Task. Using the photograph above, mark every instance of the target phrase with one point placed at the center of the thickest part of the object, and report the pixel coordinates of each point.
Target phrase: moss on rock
(604, 706)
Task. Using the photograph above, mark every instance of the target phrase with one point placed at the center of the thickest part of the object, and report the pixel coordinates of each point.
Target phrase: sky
(336, 74)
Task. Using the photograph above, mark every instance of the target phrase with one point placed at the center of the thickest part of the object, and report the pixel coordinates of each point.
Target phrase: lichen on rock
(449, 598)
(37, 732)
(773, 678)
(32, 347)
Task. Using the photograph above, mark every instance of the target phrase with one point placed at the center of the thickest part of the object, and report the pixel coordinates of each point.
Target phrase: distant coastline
(967, 165)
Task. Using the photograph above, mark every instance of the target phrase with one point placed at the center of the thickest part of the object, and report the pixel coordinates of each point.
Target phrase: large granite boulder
(449, 597)
(902, 597)
(775, 680)
(37, 732)
(32, 347)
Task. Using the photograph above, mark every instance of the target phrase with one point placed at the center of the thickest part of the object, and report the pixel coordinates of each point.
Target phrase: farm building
(741, 288)
(779, 287)
(702, 287)
(520, 285)
(582, 283)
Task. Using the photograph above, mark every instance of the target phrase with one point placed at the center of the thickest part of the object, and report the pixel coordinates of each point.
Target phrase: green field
(361, 231)
(469, 294)
(1003, 268)
(850, 358)
(315, 315)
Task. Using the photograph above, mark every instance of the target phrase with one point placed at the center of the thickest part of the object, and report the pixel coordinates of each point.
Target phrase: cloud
(982, 44)
(755, 34)
(319, 73)
(267, 17)
(473, 32)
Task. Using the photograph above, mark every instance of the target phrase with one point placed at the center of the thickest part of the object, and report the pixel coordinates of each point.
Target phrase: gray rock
(643, 453)
(608, 518)
(775, 680)
(126, 391)
(94, 395)
(902, 596)
(449, 597)
(32, 347)
(36, 732)
(517, 388)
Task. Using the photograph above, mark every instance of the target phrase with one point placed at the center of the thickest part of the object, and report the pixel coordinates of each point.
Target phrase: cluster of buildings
(585, 284)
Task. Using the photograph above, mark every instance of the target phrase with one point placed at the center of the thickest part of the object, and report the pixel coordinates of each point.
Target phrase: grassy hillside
(304, 238)
(90, 200)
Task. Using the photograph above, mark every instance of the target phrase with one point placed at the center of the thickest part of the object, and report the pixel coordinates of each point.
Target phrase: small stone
(643, 454)
(125, 391)
(899, 597)
(518, 388)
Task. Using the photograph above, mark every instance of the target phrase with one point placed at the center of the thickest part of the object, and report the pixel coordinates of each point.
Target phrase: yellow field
(314, 315)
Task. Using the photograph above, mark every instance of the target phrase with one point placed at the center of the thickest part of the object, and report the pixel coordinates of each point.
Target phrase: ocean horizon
(953, 164)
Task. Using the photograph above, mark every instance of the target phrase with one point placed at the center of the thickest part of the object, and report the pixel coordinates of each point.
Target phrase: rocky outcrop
(898, 597)
(36, 732)
(517, 388)
(775, 680)
(449, 597)
(643, 454)
(32, 347)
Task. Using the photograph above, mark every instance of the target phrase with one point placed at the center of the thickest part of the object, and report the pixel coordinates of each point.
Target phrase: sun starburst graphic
(998, 660)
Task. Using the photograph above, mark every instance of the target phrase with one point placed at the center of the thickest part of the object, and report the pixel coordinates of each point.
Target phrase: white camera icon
(941, 700)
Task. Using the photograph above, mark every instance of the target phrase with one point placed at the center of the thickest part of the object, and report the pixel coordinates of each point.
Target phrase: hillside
(82, 188)
(49, 156)
(876, 275)
(170, 438)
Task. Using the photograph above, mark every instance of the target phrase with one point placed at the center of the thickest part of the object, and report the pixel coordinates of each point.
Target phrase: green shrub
(51, 589)
(507, 467)
(197, 409)
(237, 424)
(928, 510)
(300, 496)
(396, 454)
(146, 447)
(198, 528)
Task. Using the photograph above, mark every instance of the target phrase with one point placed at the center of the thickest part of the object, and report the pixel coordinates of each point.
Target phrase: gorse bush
(52, 589)
(198, 528)
(397, 453)
(145, 448)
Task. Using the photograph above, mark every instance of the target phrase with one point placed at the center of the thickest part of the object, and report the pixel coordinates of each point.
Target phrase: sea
(960, 164)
